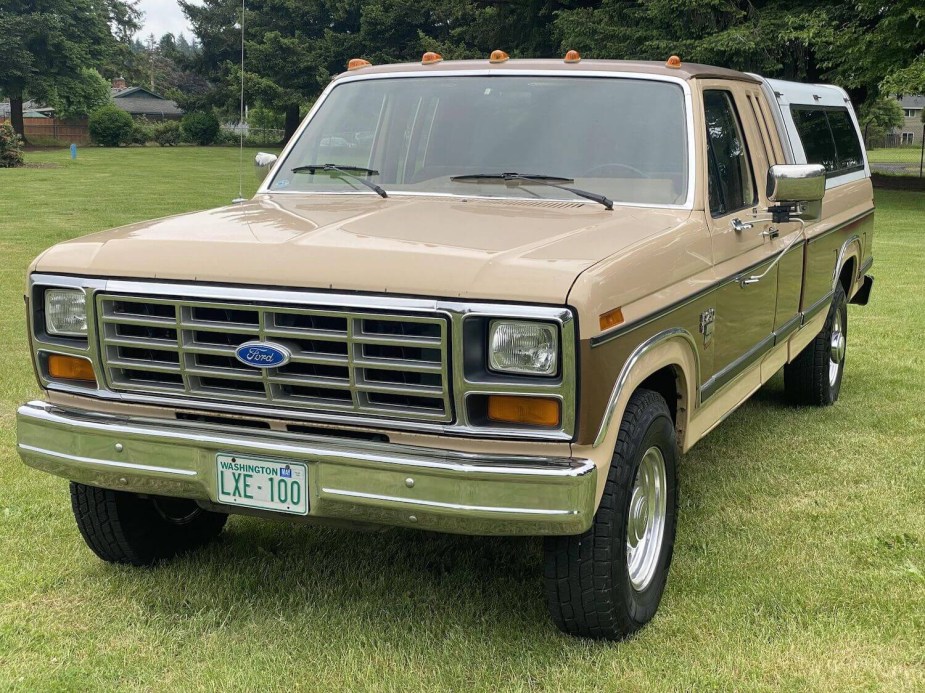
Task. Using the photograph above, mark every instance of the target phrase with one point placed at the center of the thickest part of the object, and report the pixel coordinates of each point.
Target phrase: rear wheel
(123, 527)
(608, 582)
(814, 377)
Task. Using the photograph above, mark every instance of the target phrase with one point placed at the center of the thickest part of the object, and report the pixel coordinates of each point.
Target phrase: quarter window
(829, 138)
(730, 182)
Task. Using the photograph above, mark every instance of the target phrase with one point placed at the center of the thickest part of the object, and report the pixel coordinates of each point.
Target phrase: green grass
(888, 155)
(800, 558)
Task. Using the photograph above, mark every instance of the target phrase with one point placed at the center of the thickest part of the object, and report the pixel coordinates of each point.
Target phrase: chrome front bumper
(354, 480)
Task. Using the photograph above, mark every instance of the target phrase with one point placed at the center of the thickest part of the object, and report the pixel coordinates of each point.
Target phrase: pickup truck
(485, 297)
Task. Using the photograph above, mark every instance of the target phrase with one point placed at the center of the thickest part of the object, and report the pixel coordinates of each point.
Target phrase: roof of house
(141, 101)
(912, 102)
(30, 109)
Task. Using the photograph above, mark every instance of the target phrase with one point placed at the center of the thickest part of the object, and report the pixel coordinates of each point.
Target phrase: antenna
(240, 198)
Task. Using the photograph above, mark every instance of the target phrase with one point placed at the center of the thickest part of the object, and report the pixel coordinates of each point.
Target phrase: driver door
(742, 243)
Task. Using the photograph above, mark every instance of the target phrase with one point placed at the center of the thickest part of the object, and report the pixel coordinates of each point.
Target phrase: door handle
(739, 226)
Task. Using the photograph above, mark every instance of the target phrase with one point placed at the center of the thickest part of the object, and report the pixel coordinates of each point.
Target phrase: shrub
(142, 131)
(167, 134)
(200, 127)
(227, 137)
(110, 126)
(10, 147)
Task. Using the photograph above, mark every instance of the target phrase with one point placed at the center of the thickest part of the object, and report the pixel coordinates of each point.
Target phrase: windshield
(623, 138)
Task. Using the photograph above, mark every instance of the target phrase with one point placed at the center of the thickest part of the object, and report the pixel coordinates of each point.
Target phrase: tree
(880, 115)
(76, 98)
(46, 42)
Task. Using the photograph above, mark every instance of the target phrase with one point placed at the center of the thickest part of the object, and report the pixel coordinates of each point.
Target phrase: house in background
(140, 102)
(912, 127)
(30, 109)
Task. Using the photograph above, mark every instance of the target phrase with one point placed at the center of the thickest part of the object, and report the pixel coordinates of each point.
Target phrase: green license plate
(257, 482)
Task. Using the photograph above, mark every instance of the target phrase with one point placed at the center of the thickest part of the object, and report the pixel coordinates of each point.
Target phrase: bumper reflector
(63, 367)
(535, 411)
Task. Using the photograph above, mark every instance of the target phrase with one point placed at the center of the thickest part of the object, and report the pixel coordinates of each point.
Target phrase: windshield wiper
(552, 181)
(344, 171)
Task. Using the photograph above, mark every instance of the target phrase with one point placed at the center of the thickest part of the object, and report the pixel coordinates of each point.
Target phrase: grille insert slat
(360, 361)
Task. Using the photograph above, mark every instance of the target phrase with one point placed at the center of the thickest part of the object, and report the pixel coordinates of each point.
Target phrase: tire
(814, 376)
(590, 588)
(122, 527)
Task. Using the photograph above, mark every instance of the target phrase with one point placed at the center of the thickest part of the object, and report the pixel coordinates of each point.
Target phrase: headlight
(530, 348)
(66, 312)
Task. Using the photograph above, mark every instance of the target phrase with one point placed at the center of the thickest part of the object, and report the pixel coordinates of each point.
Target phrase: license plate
(257, 482)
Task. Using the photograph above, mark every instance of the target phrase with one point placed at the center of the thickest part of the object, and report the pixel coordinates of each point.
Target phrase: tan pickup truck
(486, 297)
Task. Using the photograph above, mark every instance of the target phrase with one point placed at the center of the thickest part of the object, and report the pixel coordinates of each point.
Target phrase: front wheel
(607, 583)
(123, 527)
(814, 376)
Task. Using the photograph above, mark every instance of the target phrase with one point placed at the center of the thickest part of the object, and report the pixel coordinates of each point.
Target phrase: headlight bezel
(553, 350)
(48, 311)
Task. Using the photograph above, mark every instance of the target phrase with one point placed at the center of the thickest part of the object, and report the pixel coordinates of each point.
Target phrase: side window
(828, 138)
(847, 146)
(730, 182)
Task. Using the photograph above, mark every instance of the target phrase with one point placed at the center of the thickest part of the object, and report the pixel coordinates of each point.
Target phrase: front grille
(342, 360)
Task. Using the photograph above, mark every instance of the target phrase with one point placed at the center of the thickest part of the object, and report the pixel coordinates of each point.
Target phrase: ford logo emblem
(262, 354)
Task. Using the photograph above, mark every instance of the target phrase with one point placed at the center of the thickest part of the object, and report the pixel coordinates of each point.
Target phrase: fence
(53, 131)
(889, 155)
(259, 137)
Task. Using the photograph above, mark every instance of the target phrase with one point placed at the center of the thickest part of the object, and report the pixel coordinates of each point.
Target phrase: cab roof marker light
(673, 62)
(357, 63)
(498, 56)
(572, 56)
(431, 58)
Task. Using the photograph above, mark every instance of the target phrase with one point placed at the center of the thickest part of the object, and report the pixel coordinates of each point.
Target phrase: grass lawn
(895, 154)
(800, 557)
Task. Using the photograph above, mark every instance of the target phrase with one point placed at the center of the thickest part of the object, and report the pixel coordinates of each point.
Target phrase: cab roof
(643, 67)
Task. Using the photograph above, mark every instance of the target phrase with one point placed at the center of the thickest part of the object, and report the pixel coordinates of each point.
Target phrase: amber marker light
(572, 57)
(674, 61)
(534, 411)
(498, 57)
(62, 367)
(611, 318)
(430, 58)
(357, 63)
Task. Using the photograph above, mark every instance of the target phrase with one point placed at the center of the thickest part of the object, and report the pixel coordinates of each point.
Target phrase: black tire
(808, 378)
(122, 527)
(589, 589)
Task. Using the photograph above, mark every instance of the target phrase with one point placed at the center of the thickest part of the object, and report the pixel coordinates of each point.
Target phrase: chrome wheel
(645, 527)
(837, 348)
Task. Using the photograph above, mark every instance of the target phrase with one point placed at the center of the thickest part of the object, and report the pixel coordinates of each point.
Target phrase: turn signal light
(357, 63)
(498, 57)
(611, 318)
(535, 411)
(63, 367)
(572, 57)
(674, 61)
(429, 58)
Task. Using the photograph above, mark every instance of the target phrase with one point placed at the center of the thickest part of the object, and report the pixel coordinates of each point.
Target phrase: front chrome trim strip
(444, 506)
(346, 79)
(105, 463)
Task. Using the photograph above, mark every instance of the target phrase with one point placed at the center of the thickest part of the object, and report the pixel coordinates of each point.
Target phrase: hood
(510, 250)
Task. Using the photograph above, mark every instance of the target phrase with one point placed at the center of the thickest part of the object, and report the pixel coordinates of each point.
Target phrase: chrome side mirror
(790, 183)
(262, 163)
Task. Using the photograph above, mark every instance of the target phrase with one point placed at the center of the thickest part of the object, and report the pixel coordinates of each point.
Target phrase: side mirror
(795, 182)
(262, 163)
(796, 189)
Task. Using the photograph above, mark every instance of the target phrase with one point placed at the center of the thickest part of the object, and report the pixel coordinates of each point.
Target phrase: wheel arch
(847, 264)
(667, 363)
